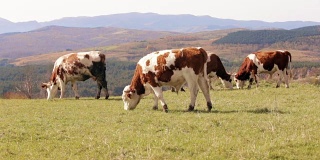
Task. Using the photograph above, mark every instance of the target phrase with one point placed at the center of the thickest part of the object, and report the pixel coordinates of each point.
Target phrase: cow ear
(44, 85)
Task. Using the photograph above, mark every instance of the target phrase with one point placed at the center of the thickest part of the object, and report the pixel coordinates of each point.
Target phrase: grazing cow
(168, 68)
(77, 67)
(264, 62)
(215, 69)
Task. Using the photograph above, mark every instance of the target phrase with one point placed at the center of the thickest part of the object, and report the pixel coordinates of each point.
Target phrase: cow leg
(75, 89)
(106, 92)
(104, 85)
(279, 78)
(99, 91)
(202, 82)
(159, 95)
(193, 87)
(210, 83)
(256, 79)
(62, 87)
(155, 105)
(286, 78)
(252, 78)
(250, 82)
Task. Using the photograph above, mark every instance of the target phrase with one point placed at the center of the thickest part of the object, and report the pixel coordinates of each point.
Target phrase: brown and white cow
(77, 67)
(216, 69)
(264, 62)
(168, 68)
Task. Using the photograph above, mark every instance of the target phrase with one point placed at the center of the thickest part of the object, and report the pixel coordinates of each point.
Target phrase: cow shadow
(94, 99)
(266, 111)
(254, 111)
(115, 98)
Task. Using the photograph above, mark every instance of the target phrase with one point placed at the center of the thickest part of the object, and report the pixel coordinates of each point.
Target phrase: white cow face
(51, 89)
(130, 98)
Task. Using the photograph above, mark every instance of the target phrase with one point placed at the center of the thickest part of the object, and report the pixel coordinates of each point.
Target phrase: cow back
(269, 59)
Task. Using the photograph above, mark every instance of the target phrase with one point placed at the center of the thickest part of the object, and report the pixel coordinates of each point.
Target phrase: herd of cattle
(176, 67)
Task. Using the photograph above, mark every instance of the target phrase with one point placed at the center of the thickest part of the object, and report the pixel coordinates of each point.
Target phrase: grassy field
(263, 123)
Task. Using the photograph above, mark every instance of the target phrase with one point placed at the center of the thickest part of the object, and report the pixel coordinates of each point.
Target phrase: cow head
(130, 98)
(51, 88)
(239, 83)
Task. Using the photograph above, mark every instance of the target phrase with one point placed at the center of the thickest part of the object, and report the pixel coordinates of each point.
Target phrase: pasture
(263, 123)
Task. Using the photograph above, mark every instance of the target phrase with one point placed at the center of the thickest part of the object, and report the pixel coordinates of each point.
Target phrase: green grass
(263, 123)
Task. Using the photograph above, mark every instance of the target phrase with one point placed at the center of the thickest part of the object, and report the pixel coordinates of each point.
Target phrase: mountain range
(151, 21)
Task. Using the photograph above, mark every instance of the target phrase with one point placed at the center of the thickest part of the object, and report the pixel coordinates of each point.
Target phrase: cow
(264, 62)
(75, 67)
(174, 68)
(216, 69)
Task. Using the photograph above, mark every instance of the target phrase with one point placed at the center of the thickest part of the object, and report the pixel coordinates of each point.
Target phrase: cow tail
(290, 72)
(205, 72)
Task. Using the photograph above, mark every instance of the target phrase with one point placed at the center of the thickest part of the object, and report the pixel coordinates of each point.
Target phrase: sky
(265, 10)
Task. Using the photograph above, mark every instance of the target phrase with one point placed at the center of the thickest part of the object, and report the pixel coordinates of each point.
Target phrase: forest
(268, 36)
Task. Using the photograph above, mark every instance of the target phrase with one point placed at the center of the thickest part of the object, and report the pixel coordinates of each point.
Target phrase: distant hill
(268, 36)
(55, 38)
(303, 49)
(152, 21)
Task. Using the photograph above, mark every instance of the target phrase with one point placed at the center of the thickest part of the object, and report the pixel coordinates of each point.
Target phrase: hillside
(303, 48)
(132, 51)
(268, 36)
(55, 38)
(151, 21)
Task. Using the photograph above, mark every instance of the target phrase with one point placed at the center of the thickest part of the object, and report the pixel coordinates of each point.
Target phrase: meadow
(260, 123)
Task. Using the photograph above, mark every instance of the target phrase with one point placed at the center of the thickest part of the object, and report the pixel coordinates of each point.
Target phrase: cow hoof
(107, 97)
(155, 107)
(165, 108)
(77, 97)
(97, 97)
(209, 105)
(191, 108)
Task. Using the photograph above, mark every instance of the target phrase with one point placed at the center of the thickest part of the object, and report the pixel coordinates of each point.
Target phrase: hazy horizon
(268, 11)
